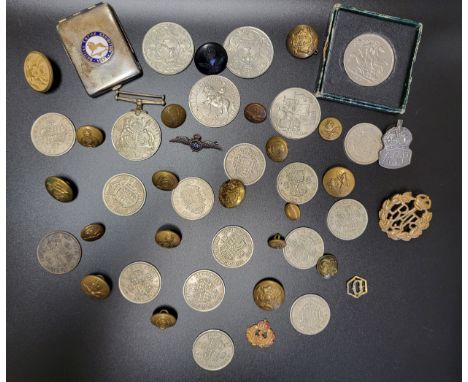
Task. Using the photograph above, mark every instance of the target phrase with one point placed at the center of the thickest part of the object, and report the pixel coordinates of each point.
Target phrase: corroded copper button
(268, 294)
(255, 112)
(173, 115)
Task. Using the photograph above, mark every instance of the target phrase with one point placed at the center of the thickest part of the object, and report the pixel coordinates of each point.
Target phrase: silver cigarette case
(98, 48)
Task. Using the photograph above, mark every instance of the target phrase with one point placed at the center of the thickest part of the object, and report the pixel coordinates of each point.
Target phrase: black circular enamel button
(211, 58)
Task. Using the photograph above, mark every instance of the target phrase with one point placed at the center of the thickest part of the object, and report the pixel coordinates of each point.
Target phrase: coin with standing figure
(140, 282)
(310, 314)
(53, 134)
(124, 194)
(59, 252)
(232, 247)
(297, 183)
(213, 350)
(245, 162)
(204, 290)
(193, 198)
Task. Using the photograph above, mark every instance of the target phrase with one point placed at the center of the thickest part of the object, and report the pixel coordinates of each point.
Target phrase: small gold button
(330, 128)
(302, 41)
(277, 148)
(292, 211)
(338, 182)
(92, 232)
(231, 193)
(163, 319)
(89, 136)
(173, 115)
(95, 286)
(60, 189)
(277, 241)
(167, 238)
(268, 294)
(165, 180)
(38, 71)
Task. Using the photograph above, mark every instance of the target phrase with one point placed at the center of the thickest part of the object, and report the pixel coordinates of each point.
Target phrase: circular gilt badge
(97, 47)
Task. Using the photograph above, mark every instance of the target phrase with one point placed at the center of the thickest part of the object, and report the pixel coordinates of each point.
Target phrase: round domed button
(211, 58)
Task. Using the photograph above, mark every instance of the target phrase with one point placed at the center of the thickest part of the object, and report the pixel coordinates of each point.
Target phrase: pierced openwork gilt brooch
(196, 143)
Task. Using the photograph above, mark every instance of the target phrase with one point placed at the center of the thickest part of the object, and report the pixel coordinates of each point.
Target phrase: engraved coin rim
(220, 332)
(213, 249)
(287, 249)
(199, 271)
(69, 124)
(104, 194)
(236, 177)
(184, 216)
(147, 264)
(304, 297)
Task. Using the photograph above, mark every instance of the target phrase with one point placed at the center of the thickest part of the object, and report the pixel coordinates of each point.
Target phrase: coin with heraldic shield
(59, 252)
(173, 115)
(327, 266)
(302, 41)
(38, 71)
(347, 219)
(396, 152)
(213, 350)
(204, 290)
(304, 247)
(268, 294)
(89, 136)
(92, 232)
(330, 128)
(53, 134)
(255, 112)
(124, 194)
(295, 113)
(232, 247)
(193, 198)
(231, 193)
(60, 189)
(277, 148)
(140, 282)
(168, 48)
(95, 286)
(363, 143)
(214, 101)
(245, 162)
(165, 180)
(250, 52)
(338, 182)
(297, 183)
(310, 314)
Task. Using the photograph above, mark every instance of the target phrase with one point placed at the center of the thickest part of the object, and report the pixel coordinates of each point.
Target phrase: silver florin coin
(124, 194)
(140, 282)
(193, 198)
(245, 162)
(232, 247)
(53, 134)
(396, 152)
(168, 48)
(59, 252)
(250, 52)
(297, 183)
(368, 59)
(295, 113)
(304, 247)
(363, 143)
(204, 290)
(310, 314)
(136, 135)
(214, 101)
(213, 350)
(347, 219)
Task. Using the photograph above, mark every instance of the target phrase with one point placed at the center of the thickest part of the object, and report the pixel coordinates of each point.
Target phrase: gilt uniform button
(60, 189)
(302, 41)
(277, 241)
(92, 232)
(211, 58)
(277, 148)
(163, 319)
(338, 182)
(255, 112)
(165, 180)
(89, 136)
(268, 294)
(167, 238)
(173, 115)
(231, 193)
(95, 286)
(292, 211)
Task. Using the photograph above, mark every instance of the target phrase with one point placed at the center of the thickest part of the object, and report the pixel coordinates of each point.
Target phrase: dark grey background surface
(408, 328)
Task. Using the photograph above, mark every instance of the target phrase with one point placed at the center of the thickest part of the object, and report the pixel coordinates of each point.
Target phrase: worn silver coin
(214, 101)
(310, 314)
(213, 350)
(59, 252)
(140, 282)
(124, 194)
(204, 290)
(297, 183)
(250, 52)
(168, 48)
(245, 162)
(136, 135)
(193, 198)
(295, 113)
(396, 152)
(363, 143)
(304, 247)
(368, 59)
(347, 219)
(232, 246)
(53, 134)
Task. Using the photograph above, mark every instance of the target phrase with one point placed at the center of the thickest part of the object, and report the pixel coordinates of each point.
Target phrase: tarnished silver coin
(304, 247)
(204, 290)
(295, 113)
(214, 101)
(136, 135)
(250, 52)
(193, 198)
(396, 152)
(168, 48)
(213, 350)
(347, 219)
(140, 282)
(53, 134)
(363, 143)
(297, 183)
(309, 314)
(59, 252)
(124, 194)
(368, 59)
(245, 162)
(232, 246)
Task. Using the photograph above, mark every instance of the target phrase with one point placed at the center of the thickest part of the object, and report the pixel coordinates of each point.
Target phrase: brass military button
(60, 189)
(167, 238)
(165, 180)
(268, 294)
(92, 232)
(231, 193)
(38, 71)
(255, 112)
(163, 319)
(330, 128)
(277, 241)
(89, 136)
(338, 182)
(95, 286)
(173, 115)
(292, 211)
(277, 148)
(327, 266)
(302, 41)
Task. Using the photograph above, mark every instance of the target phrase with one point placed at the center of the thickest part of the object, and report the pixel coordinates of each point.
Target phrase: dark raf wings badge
(196, 143)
